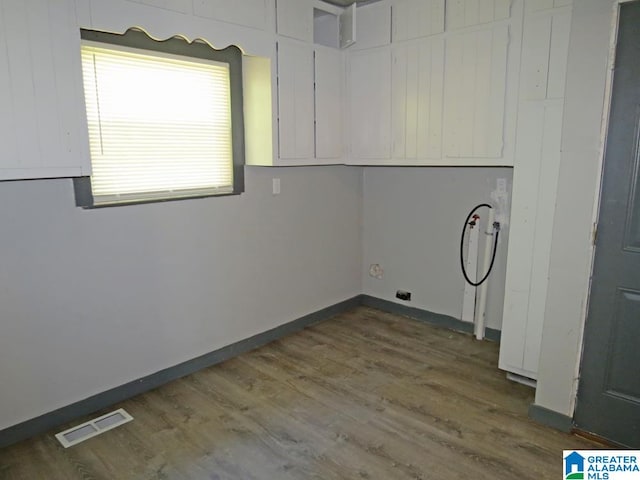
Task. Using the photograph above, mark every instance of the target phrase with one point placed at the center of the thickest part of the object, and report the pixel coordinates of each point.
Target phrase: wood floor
(365, 395)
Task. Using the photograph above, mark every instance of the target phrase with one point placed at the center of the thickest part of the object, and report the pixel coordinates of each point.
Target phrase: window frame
(178, 46)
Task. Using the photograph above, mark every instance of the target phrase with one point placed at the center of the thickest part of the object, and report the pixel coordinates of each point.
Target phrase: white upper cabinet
(475, 93)
(347, 21)
(310, 107)
(369, 86)
(42, 123)
(373, 25)
(181, 6)
(417, 93)
(417, 18)
(326, 28)
(295, 19)
(328, 103)
(252, 13)
(468, 13)
(539, 5)
(451, 98)
(310, 81)
(544, 59)
(370, 105)
(333, 26)
(295, 102)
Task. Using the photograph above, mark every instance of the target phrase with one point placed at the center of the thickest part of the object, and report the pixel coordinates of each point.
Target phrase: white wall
(571, 251)
(413, 219)
(92, 299)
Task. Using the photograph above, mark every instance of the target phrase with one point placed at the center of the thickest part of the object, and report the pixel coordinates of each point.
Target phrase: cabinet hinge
(594, 234)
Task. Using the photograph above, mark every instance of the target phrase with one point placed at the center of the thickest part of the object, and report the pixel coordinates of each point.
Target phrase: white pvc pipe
(481, 311)
(469, 299)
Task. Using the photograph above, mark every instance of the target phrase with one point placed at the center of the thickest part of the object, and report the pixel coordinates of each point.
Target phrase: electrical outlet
(403, 295)
(376, 271)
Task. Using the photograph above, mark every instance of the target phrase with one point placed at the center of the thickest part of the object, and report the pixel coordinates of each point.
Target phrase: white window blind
(159, 125)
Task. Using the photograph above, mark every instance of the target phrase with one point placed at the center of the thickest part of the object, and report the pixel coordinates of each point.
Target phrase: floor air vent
(94, 427)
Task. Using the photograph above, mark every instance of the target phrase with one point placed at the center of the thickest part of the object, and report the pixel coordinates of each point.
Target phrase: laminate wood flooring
(364, 395)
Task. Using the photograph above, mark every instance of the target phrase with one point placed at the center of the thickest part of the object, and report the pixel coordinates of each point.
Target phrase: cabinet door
(42, 128)
(468, 13)
(328, 101)
(295, 101)
(252, 13)
(418, 90)
(348, 26)
(295, 19)
(370, 103)
(475, 93)
(417, 18)
(374, 25)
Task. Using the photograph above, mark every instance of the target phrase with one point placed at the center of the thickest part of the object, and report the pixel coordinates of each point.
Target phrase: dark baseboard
(102, 400)
(437, 319)
(550, 418)
(111, 397)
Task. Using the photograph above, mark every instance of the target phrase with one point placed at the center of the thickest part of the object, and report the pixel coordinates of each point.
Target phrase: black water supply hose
(496, 230)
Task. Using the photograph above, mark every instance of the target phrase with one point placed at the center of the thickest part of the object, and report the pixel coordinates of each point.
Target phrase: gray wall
(92, 299)
(412, 224)
(571, 252)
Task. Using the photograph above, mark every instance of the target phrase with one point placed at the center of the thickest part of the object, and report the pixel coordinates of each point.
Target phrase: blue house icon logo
(574, 466)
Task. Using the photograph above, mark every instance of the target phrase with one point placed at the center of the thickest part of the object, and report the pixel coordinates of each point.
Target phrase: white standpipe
(471, 267)
(481, 311)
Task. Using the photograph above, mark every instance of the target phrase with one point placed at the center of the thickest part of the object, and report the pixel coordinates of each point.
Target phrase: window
(164, 118)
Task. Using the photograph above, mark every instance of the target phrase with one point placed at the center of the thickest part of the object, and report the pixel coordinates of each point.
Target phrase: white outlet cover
(376, 271)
